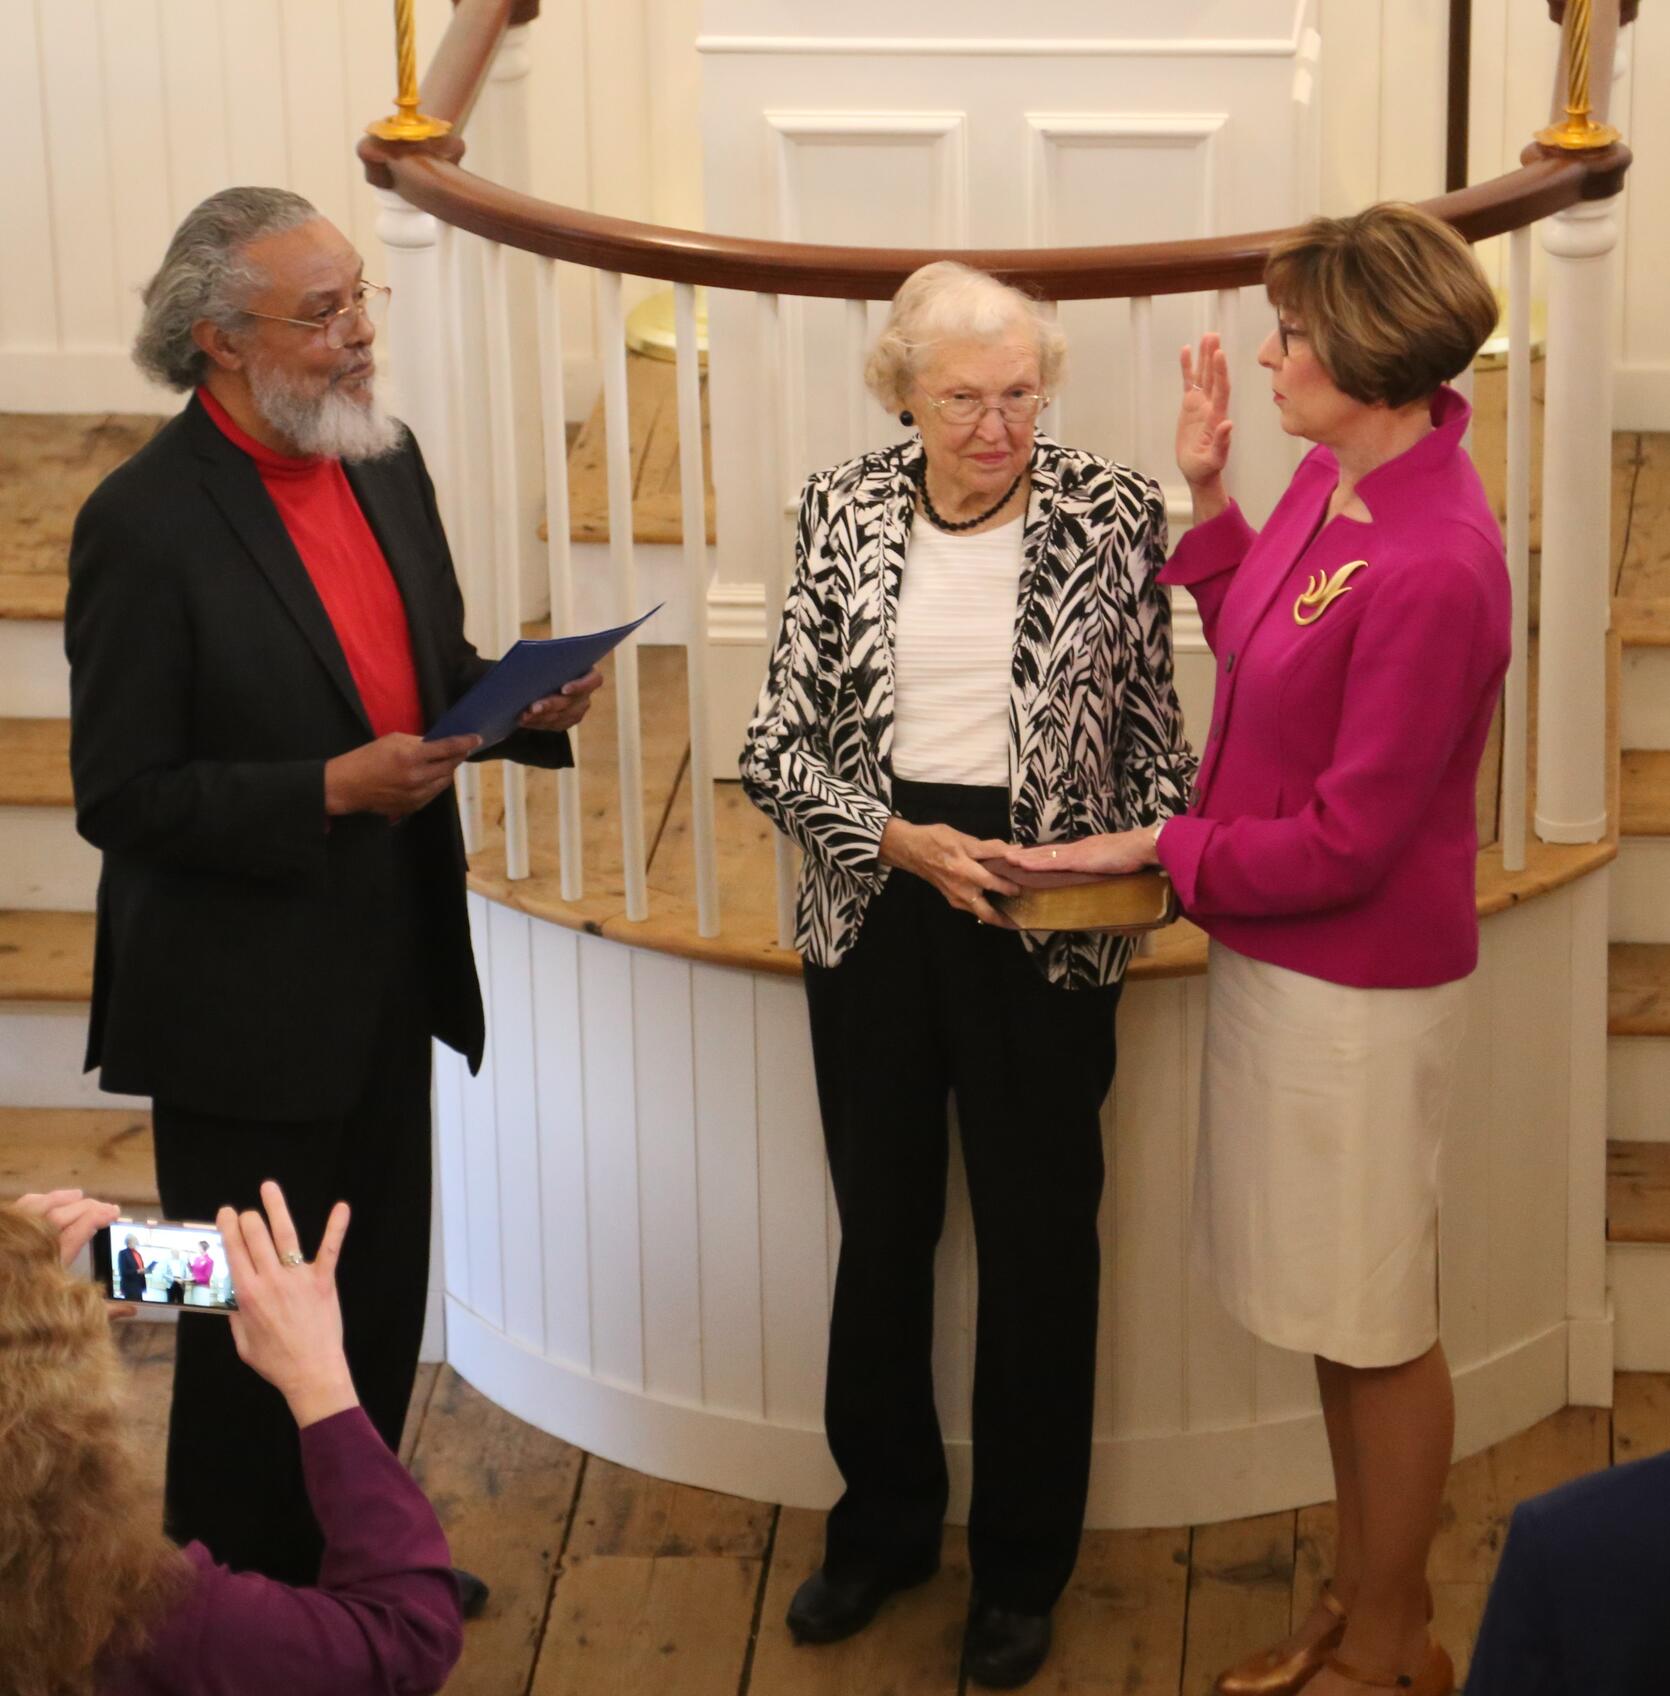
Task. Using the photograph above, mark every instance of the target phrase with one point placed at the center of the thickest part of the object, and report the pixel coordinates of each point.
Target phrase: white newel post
(418, 328)
(1577, 462)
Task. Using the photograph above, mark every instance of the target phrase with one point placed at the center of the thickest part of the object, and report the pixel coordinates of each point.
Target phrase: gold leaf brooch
(1322, 591)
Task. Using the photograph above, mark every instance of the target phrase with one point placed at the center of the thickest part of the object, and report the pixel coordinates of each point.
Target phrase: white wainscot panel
(641, 1243)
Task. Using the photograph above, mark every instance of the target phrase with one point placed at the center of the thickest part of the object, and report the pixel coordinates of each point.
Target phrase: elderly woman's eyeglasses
(337, 323)
(963, 406)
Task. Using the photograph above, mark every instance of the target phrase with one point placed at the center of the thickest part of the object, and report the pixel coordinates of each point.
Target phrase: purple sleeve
(1206, 560)
(1411, 688)
(384, 1619)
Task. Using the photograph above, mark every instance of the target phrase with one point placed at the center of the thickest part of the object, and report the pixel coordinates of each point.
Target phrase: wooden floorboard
(1645, 779)
(504, 1492)
(1240, 1593)
(1638, 989)
(609, 1583)
(35, 763)
(46, 956)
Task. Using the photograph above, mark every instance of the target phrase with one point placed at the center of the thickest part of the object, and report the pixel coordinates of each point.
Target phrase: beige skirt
(1322, 1114)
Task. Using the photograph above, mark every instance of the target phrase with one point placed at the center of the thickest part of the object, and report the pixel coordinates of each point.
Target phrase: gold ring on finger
(293, 1257)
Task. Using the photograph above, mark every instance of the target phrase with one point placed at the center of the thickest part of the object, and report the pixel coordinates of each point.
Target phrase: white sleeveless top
(953, 650)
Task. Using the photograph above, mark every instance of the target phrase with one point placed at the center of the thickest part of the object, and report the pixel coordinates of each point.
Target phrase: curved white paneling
(640, 1240)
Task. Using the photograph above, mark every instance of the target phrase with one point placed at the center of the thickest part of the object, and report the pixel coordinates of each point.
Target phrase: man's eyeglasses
(1017, 406)
(336, 324)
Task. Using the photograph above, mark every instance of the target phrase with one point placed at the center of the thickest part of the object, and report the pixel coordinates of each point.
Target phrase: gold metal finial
(408, 123)
(1579, 131)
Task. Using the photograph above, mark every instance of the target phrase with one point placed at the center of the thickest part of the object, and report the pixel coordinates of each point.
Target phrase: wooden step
(652, 418)
(1638, 989)
(35, 763)
(103, 1150)
(1638, 1192)
(49, 464)
(46, 956)
(32, 595)
(1645, 793)
(1642, 624)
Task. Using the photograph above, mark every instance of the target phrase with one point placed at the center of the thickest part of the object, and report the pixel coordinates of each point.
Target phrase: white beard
(333, 425)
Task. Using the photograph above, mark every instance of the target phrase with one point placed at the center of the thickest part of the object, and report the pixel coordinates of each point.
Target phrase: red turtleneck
(349, 573)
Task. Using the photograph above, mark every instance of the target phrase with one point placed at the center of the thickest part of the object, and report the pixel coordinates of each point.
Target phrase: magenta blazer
(1332, 827)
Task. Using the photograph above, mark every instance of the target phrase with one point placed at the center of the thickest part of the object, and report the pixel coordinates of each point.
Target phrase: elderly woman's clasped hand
(950, 861)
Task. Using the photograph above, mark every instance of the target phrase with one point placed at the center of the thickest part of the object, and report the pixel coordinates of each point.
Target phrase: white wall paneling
(644, 1256)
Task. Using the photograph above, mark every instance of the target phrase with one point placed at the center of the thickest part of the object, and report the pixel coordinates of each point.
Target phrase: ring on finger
(293, 1257)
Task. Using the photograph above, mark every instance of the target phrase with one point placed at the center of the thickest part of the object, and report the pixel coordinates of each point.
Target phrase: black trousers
(234, 1478)
(929, 1003)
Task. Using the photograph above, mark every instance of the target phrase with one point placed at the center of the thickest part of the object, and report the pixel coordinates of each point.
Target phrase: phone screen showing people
(158, 1264)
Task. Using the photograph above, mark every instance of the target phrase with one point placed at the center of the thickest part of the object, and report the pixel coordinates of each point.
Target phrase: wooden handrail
(428, 176)
(1546, 183)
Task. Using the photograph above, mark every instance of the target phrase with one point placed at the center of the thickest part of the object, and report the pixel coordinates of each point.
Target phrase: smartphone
(158, 1263)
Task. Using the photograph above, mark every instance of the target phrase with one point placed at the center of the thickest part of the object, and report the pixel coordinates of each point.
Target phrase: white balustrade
(559, 557)
(857, 330)
(1576, 524)
(611, 335)
(1142, 374)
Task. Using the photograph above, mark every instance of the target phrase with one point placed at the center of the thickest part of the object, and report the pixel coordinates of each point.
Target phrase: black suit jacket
(243, 942)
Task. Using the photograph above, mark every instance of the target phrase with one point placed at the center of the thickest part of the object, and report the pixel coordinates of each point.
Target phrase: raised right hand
(950, 861)
(395, 775)
(1203, 423)
(288, 1324)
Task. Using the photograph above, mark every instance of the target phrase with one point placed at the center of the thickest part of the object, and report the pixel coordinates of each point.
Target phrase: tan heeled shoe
(1436, 1677)
(1284, 1672)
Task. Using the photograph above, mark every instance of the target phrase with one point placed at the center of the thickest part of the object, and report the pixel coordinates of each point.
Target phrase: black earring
(907, 419)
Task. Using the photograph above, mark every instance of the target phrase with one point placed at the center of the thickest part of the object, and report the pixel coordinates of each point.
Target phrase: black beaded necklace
(970, 523)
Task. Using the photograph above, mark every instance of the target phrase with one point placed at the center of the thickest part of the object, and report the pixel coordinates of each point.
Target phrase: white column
(1576, 530)
(416, 334)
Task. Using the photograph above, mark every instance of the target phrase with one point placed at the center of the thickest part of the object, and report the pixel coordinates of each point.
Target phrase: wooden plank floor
(607, 1582)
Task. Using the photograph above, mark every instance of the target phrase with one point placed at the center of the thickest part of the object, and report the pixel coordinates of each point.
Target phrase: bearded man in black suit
(263, 618)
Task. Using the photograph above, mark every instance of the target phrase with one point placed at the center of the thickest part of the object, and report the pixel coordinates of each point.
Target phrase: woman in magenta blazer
(1361, 638)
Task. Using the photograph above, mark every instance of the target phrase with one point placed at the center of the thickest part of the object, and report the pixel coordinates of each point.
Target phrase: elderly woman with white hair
(974, 651)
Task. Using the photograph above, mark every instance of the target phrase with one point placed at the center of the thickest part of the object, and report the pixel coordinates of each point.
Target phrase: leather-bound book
(1134, 902)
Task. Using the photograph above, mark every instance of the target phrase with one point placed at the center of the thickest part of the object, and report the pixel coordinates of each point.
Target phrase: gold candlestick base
(408, 124)
(1578, 133)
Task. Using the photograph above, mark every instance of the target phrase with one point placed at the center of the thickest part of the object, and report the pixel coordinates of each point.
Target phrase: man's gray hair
(204, 275)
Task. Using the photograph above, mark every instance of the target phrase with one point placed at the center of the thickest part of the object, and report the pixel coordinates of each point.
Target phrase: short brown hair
(1392, 300)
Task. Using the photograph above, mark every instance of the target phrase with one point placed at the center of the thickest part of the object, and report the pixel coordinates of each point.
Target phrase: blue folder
(528, 673)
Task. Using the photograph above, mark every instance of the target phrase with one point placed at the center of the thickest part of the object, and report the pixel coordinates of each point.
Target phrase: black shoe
(825, 1609)
(472, 1593)
(1002, 1648)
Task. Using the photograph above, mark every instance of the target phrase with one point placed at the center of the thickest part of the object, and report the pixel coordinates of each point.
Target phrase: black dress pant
(929, 1003)
(234, 1478)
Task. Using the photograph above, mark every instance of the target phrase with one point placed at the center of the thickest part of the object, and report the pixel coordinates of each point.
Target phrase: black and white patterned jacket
(1095, 735)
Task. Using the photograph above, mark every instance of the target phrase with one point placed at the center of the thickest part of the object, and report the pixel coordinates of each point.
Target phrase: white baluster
(1576, 525)
(559, 559)
(857, 351)
(1057, 425)
(768, 376)
(1515, 716)
(611, 338)
(1142, 378)
(693, 505)
(506, 571)
(1227, 321)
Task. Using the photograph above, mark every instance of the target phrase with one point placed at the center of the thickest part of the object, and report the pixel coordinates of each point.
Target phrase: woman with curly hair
(96, 1602)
